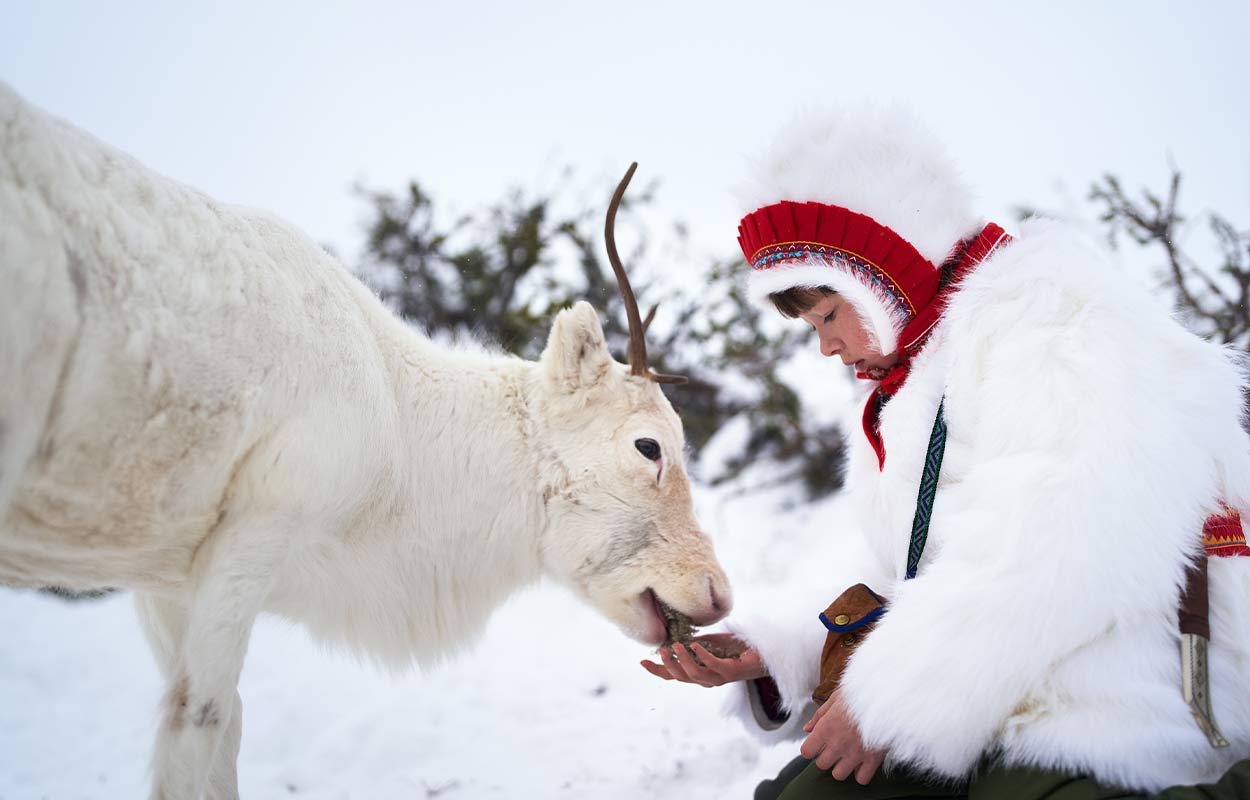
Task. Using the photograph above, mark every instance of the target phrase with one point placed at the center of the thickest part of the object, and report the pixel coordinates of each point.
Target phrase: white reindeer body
(198, 403)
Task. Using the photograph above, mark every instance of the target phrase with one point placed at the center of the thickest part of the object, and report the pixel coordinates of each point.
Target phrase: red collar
(964, 257)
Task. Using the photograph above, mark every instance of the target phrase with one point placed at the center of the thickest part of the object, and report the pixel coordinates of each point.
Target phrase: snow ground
(550, 704)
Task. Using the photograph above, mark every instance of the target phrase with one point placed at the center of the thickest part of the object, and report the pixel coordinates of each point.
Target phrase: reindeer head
(622, 531)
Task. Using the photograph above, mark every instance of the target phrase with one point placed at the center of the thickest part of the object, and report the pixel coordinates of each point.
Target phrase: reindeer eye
(649, 448)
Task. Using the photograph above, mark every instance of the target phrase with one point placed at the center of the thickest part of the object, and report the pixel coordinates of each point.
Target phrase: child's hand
(694, 663)
(833, 743)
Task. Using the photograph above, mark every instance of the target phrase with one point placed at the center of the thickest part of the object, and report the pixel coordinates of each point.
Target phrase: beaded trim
(1222, 534)
(769, 256)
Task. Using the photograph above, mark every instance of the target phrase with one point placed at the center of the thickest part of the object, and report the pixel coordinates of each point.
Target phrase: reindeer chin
(644, 621)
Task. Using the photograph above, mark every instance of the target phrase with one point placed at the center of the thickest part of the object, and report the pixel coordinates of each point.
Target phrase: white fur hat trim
(871, 305)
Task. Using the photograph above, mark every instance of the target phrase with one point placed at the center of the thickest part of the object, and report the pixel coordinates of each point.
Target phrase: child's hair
(798, 300)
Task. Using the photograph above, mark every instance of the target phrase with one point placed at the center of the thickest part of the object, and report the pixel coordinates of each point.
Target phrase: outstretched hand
(835, 745)
(694, 662)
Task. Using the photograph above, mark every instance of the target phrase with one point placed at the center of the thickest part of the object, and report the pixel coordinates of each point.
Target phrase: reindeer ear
(576, 357)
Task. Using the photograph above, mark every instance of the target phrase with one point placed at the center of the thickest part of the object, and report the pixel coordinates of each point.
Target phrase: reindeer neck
(473, 467)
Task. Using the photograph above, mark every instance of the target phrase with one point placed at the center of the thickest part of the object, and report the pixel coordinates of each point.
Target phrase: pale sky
(285, 105)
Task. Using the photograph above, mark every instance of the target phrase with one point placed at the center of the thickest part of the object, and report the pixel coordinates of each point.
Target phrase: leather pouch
(849, 619)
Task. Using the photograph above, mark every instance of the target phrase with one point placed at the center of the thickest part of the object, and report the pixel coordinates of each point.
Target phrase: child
(1040, 452)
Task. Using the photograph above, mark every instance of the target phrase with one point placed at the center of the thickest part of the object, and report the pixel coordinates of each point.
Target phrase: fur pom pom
(876, 161)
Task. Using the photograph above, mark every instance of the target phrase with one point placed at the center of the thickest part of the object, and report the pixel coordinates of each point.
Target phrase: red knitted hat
(862, 200)
(790, 244)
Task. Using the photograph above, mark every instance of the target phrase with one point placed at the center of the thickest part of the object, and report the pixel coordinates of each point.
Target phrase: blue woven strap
(928, 490)
(854, 625)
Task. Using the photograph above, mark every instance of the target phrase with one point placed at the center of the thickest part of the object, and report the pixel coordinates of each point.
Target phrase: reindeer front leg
(201, 645)
(164, 623)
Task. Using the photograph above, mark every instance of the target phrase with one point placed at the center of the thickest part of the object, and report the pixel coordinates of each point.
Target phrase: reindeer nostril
(717, 605)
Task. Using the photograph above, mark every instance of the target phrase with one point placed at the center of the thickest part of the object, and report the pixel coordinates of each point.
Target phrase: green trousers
(801, 780)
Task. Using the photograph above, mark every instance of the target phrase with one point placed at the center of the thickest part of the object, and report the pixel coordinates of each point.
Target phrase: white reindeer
(197, 403)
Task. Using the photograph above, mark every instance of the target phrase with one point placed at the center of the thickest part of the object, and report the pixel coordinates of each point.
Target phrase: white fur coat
(1089, 435)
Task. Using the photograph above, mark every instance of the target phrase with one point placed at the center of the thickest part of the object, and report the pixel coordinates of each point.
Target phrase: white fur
(790, 644)
(1089, 436)
(877, 161)
(197, 403)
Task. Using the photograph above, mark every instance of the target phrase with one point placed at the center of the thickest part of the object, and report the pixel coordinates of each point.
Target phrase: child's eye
(829, 317)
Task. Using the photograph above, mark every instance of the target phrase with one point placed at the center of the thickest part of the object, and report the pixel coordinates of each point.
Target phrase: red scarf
(963, 259)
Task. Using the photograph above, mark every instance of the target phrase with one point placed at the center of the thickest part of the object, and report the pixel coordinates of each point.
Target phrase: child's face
(842, 334)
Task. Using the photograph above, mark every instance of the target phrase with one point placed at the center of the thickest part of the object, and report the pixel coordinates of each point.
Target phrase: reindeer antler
(637, 328)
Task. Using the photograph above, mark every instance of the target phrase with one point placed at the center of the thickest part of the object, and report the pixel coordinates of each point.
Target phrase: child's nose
(827, 347)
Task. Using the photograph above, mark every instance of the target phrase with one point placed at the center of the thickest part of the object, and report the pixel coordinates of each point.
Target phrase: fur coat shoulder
(1089, 436)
